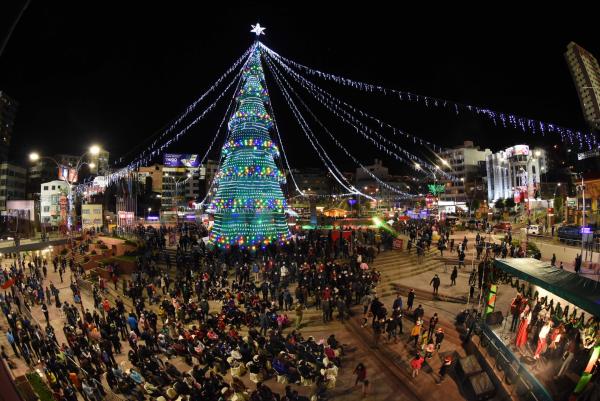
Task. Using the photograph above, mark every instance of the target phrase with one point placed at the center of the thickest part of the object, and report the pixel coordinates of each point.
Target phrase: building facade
(466, 164)
(180, 186)
(53, 202)
(91, 216)
(515, 173)
(8, 112)
(585, 72)
(12, 183)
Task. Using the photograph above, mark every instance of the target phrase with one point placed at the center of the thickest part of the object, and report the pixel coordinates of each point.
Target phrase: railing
(525, 385)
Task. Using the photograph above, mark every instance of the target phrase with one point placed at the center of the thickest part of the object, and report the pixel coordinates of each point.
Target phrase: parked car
(569, 234)
(534, 229)
(504, 227)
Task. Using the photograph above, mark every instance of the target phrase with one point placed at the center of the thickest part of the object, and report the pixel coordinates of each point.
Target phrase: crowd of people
(213, 312)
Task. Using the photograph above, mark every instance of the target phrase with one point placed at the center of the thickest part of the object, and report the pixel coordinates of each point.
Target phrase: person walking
(435, 282)
(361, 377)
(415, 333)
(416, 364)
(453, 276)
(439, 337)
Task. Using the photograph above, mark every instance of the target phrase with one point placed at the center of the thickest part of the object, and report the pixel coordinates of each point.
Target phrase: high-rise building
(585, 71)
(8, 111)
(515, 173)
(466, 164)
(12, 183)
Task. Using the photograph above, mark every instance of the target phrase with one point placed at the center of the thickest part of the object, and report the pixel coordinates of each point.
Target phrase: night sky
(116, 75)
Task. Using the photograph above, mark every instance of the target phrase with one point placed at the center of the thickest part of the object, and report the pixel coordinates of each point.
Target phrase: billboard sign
(181, 160)
(517, 150)
(66, 173)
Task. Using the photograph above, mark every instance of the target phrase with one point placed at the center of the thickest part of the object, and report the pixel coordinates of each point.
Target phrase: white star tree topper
(258, 30)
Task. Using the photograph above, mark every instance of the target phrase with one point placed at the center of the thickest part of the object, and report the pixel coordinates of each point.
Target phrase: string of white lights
(228, 112)
(281, 79)
(329, 164)
(383, 124)
(498, 118)
(243, 58)
(410, 159)
(272, 113)
(112, 177)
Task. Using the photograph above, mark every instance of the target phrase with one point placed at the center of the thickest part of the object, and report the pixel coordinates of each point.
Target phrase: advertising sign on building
(181, 160)
(65, 173)
(517, 150)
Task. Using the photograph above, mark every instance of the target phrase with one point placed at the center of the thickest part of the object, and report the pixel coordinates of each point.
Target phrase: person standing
(453, 276)
(515, 310)
(299, 312)
(432, 323)
(45, 312)
(410, 299)
(416, 364)
(439, 337)
(435, 282)
(377, 329)
(445, 368)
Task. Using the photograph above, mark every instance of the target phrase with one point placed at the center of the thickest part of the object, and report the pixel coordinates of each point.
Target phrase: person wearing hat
(445, 368)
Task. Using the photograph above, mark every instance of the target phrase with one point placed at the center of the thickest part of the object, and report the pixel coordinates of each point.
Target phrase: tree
(499, 204)
(249, 206)
(475, 203)
(509, 203)
(559, 202)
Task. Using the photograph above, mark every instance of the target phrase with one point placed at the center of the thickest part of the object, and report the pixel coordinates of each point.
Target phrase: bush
(40, 387)
(103, 246)
(64, 251)
(130, 242)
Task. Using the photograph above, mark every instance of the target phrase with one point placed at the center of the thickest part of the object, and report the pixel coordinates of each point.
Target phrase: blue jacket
(132, 321)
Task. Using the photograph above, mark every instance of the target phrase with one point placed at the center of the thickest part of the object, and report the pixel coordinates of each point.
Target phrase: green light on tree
(436, 189)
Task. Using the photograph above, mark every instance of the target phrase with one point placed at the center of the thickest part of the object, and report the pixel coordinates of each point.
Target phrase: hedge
(40, 387)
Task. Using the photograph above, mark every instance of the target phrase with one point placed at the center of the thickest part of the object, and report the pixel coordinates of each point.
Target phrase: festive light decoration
(523, 124)
(331, 167)
(249, 207)
(280, 80)
(333, 105)
(436, 189)
(244, 57)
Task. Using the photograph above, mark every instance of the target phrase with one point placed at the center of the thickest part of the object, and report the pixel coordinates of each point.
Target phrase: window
(54, 187)
(46, 209)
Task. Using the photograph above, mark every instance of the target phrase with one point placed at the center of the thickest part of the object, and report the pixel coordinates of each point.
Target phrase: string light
(506, 119)
(361, 128)
(279, 80)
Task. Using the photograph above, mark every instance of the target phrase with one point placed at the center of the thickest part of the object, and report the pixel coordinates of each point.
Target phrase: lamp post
(94, 150)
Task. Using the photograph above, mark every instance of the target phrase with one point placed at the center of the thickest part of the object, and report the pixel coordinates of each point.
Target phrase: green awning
(578, 290)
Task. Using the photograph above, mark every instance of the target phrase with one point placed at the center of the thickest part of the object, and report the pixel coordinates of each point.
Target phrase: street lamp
(93, 150)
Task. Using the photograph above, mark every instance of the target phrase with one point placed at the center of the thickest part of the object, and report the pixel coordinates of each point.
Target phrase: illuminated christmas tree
(249, 207)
